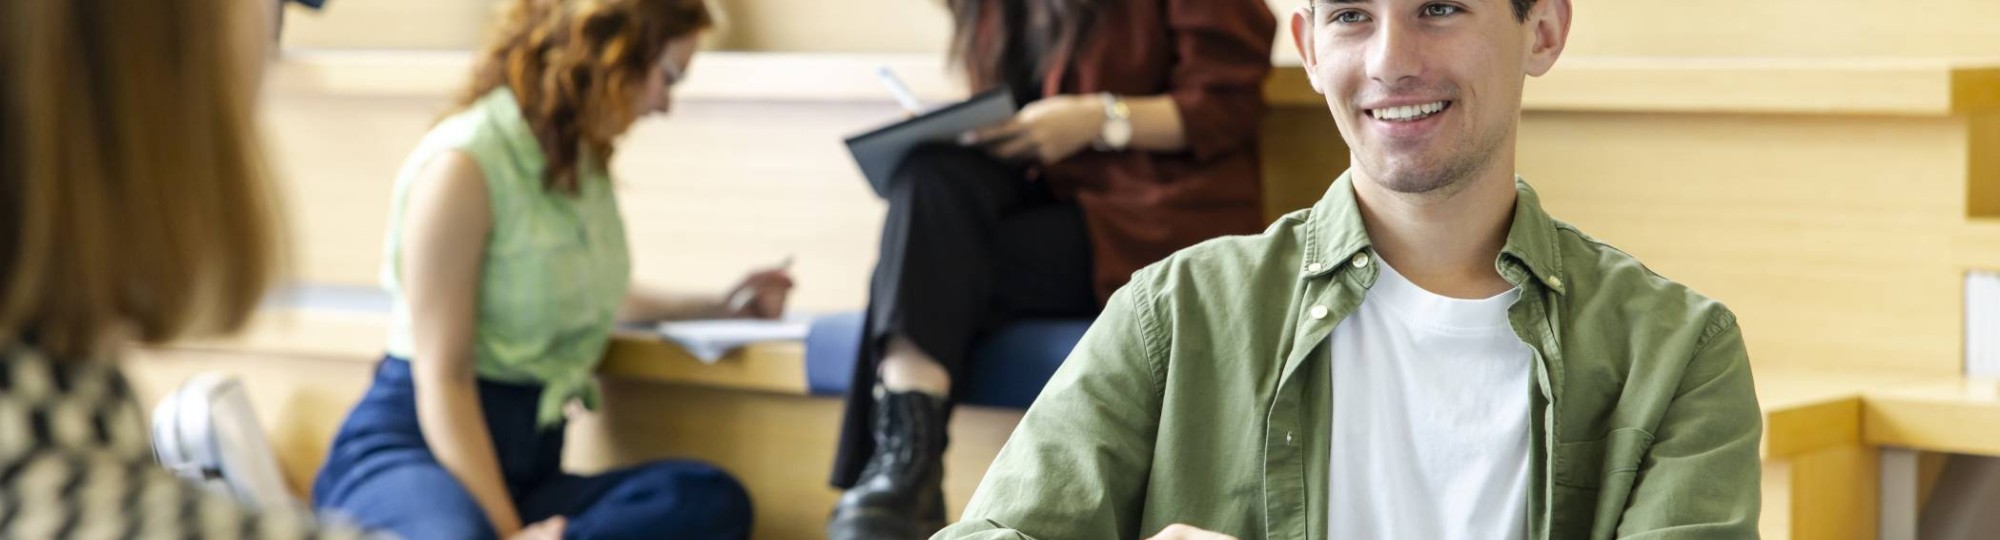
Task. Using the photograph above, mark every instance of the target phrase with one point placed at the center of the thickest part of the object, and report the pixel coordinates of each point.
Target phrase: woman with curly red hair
(506, 256)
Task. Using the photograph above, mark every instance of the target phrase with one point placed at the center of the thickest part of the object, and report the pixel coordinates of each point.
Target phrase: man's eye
(1440, 10)
(1350, 17)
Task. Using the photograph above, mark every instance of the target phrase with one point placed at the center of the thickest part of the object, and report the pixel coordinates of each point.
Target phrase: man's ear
(1302, 38)
(1548, 28)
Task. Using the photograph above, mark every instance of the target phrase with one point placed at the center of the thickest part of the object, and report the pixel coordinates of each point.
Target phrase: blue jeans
(381, 475)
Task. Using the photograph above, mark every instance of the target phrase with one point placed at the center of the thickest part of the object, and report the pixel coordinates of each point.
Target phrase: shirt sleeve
(1222, 51)
(1700, 476)
(1076, 467)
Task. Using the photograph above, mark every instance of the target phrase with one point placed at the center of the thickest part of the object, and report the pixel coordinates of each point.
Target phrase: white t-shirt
(1430, 417)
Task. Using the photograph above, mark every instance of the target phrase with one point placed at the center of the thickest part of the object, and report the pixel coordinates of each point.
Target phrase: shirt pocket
(1596, 476)
(537, 284)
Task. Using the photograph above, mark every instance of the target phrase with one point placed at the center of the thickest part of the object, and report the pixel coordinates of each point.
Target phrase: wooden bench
(1911, 423)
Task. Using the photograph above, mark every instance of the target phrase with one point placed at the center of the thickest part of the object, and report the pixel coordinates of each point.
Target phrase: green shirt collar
(1335, 234)
(503, 110)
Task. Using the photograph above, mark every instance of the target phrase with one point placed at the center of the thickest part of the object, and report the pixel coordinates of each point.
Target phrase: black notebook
(879, 151)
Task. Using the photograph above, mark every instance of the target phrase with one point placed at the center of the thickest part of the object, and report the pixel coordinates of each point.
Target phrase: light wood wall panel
(1829, 237)
(1832, 495)
(1302, 154)
(707, 195)
(389, 24)
(1785, 28)
(1983, 163)
(1648, 28)
(904, 26)
(766, 25)
(336, 158)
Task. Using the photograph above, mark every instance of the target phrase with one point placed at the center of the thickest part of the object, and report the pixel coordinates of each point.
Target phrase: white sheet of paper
(710, 340)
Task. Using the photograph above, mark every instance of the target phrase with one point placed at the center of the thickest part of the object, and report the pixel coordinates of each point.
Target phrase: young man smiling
(1424, 353)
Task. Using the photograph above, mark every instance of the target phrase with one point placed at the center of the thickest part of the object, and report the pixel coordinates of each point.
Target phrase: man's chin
(1412, 178)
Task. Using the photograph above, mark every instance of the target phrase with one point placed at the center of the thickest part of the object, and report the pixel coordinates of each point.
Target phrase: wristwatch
(1117, 130)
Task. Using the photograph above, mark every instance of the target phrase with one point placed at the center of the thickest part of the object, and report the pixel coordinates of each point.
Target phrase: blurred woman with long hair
(135, 207)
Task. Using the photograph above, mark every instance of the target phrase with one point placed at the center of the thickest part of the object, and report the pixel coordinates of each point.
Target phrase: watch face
(1118, 132)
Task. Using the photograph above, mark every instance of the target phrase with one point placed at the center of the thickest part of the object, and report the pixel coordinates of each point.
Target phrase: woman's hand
(548, 529)
(1047, 131)
(761, 295)
(1180, 531)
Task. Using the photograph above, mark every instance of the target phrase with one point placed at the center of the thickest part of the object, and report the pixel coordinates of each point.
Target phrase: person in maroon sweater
(1137, 137)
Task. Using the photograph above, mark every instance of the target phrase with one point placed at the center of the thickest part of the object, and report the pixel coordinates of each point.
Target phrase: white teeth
(1407, 113)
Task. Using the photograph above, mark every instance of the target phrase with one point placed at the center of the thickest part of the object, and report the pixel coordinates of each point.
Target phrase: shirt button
(1318, 312)
(1288, 438)
(1555, 281)
(1360, 260)
(1313, 268)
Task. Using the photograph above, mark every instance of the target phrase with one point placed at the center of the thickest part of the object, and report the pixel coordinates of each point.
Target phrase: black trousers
(969, 245)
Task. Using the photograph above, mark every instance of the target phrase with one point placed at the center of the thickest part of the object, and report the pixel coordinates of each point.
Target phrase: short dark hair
(1521, 8)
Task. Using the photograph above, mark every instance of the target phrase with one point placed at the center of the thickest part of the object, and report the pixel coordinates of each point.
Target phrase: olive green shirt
(1202, 395)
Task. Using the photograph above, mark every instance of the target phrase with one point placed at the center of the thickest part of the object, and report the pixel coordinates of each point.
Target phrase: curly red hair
(574, 64)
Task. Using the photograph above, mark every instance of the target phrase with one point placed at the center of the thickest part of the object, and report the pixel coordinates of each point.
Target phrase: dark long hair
(984, 64)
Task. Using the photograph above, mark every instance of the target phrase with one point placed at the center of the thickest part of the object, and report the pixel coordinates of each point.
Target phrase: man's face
(1426, 92)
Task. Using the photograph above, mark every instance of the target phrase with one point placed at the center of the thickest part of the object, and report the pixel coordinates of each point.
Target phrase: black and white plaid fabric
(75, 462)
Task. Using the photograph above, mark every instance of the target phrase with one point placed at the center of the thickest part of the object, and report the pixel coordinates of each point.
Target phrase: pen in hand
(742, 297)
(902, 92)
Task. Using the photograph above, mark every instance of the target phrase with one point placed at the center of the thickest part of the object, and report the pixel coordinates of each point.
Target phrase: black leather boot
(900, 494)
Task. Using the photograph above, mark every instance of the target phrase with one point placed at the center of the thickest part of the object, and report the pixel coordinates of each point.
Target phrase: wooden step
(390, 24)
(895, 26)
(1936, 415)
(1786, 28)
(1959, 29)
